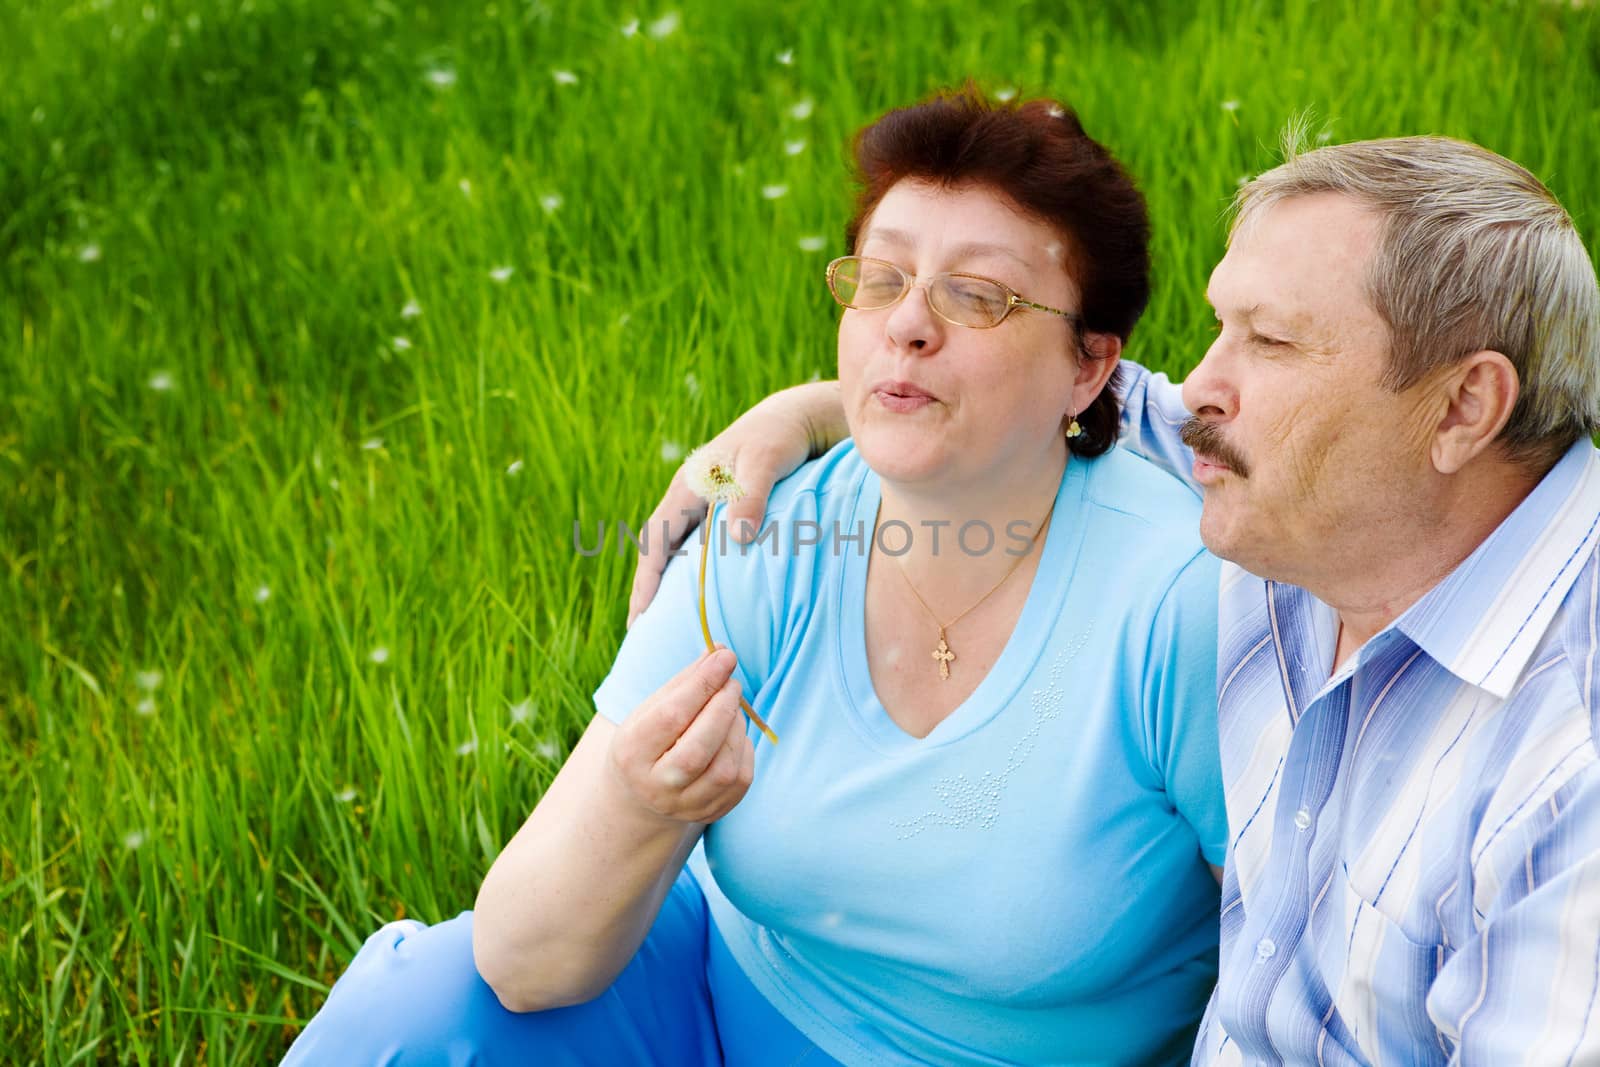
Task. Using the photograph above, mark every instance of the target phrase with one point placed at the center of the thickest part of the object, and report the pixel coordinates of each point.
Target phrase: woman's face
(932, 403)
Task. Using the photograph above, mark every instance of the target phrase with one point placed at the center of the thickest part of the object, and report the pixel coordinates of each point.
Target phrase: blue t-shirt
(1025, 883)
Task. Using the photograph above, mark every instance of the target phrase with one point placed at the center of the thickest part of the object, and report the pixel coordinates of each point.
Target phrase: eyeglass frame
(1014, 299)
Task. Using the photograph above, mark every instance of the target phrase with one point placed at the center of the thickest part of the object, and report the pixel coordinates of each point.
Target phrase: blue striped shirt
(1413, 868)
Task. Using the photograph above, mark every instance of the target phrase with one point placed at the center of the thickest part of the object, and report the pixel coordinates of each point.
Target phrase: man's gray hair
(1475, 254)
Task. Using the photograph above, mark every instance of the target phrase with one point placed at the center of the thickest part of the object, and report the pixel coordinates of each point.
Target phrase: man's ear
(1105, 351)
(1478, 395)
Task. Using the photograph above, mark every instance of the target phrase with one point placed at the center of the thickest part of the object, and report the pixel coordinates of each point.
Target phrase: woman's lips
(901, 397)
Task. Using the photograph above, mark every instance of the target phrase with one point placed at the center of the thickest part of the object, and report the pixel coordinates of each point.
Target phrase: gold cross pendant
(943, 655)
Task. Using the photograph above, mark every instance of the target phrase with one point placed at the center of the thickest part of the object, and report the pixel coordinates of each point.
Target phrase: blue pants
(413, 996)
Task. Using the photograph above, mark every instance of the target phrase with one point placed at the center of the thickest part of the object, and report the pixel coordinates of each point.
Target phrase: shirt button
(1302, 820)
(1265, 948)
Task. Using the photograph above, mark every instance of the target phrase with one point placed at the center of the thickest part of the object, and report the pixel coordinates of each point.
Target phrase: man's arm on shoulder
(1152, 418)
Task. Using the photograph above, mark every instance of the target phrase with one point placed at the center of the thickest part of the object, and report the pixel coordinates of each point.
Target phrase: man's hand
(683, 754)
(764, 444)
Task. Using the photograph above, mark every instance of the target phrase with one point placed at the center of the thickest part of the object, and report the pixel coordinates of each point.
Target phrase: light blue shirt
(1026, 883)
(1413, 870)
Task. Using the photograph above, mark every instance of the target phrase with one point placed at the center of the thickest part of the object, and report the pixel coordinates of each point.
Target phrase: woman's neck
(955, 541)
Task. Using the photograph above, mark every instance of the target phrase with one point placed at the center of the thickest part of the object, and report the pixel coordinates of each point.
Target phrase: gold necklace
(944, 654)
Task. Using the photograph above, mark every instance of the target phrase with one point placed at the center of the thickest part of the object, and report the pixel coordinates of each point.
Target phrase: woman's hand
(764, 444)
(683, 754)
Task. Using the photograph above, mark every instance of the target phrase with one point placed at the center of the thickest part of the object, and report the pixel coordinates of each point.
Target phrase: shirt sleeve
(666, 638)
(1180, 687)
(1526, 988)
(1152, 418)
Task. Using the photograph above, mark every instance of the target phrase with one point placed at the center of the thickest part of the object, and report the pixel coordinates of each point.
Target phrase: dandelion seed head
(550, 202)
(411, 310)
(333, 483)
(134, 840)
(774, 192)
(564, 77)
(345, 795)
(1324, 137)
(786, 57)
(399, 343)
(1006, 94)
(1242, 180)
(794, 148)
(148, 681)
(1230, 105)
(465, 186)
(441, 77)
(162, 382)
(802, 109)
(630, 28)
(514, 467)
(89, 253)
(1056, 111)
(547, 750)
(522, 710)
(710, 476)
(671, 451)
(466, 748)
(372, 444)
(501, 274)
(263, 594)
(145, 707)
(379, 655)
(665, 26)
(691, 385)
(813, 243)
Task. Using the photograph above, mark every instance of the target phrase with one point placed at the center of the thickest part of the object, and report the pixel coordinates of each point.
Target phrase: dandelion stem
(705, 624)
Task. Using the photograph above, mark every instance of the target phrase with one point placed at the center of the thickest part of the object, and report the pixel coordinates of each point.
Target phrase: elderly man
(1391, 435)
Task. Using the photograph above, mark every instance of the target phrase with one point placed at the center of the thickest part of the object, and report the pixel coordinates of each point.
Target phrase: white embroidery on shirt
(963, 802)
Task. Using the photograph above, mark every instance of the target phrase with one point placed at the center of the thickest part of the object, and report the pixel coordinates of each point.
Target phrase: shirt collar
(1483, 622)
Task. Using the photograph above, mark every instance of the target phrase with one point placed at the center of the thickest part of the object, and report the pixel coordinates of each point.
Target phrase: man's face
(1309, 464)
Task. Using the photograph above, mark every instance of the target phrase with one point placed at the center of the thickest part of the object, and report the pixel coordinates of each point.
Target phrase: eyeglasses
(867, 284)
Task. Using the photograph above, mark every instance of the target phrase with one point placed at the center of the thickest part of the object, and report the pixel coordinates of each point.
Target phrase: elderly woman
(984, 837)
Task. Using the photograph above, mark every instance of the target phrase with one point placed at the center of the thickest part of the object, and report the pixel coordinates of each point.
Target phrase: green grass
(238, 199)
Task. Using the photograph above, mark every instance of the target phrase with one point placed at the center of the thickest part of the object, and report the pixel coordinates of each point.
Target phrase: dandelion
(564, 77)
(665, 26)
(345, 795)
(802, 110)
(465, 186)
(148, 681)
(467, 748)
(786, 57)
(263, 594)
(774, 192)
(671, 451)
(793, 148)
(333, 483)
(400, 344)
(372, 444)
(1230, 105)
(379, 655)
(89, 253)
(1056, 111)
(134, 840)
(161, 382)
(1324, 137)
(812, 243)
(711, 478)
(411, 310)
(547, 750)
(630, 28)
(522, 710)
(514, 468)
(1005, 95)
(145, 707)
(691, 385)
(1242, 180)
(501, 274)
(441, 77)
(550, 202)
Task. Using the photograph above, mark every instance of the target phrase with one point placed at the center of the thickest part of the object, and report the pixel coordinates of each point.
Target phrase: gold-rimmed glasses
(971, 300)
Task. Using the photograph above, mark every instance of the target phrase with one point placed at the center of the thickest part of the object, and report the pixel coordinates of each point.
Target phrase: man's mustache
(1206, 440)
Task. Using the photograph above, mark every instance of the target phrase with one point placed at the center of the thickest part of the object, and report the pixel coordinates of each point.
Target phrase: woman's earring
(1073, 428)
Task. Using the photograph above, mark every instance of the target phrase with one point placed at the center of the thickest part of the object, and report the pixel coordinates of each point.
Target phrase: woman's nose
(912, 325)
